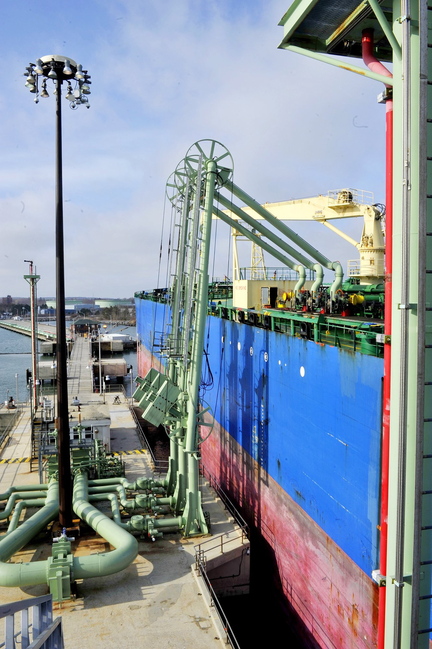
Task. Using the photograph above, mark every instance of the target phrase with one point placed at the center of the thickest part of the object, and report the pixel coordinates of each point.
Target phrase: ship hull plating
(296, 445)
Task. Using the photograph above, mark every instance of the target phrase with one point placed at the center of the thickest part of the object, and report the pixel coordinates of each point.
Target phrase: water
(129, 355)
(15, 359)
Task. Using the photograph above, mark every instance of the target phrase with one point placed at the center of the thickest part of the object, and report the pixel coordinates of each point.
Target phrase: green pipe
(140, 483)
(106, 563)
(115, 508)
(150, 524)
(19, 495)
(114, 481)
(193, 516)
(338, 280)
(254, 223)
(257, 240)
(31, 487)
(126, 503)
(319, 278)
(282, 227)
(23, 504)
(19, 575)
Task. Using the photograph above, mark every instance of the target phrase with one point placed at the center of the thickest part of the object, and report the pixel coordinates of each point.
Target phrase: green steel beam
(343, 65)
(409, 559)
(406, 614)
(376, 7)
(193, 517)
(186, 364)
(252, 237)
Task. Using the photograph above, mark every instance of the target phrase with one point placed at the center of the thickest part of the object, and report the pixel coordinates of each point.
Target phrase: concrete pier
(44, 332)
(159, 599)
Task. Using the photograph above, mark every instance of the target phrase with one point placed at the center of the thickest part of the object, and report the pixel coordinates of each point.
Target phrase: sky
(166, 74)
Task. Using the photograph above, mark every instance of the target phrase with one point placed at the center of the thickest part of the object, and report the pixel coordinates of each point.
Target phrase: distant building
(73, 307)
(123, 304)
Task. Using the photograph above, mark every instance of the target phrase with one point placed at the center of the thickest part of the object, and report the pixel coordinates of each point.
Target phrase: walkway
(44, 332)
(79, 370)
(158, 600)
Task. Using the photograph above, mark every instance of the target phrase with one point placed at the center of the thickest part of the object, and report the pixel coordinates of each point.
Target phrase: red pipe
(376, 66)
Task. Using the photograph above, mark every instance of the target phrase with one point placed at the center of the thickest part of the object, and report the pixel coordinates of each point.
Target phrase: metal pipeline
(105, 563)
(304, 261)
(139, 522)
(282, 227)
(140, 483)
(32, 487)
(235, 225)
(23, 504)
(115, 508)
(302, 278)
(20, 495)
(319, 278)
(337, 282)
(18, 575)
(262, 229)
(140, 501)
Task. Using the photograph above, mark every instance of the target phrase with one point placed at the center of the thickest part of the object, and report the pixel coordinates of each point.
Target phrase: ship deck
(158, 599)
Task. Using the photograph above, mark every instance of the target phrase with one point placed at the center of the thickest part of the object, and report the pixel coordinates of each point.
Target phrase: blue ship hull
(297, 445)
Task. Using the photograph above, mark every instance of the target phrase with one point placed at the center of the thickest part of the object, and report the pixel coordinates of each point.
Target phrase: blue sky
(166, 73)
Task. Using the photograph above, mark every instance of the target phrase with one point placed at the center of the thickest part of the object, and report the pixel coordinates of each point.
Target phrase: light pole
(32, 279)
(60, 69)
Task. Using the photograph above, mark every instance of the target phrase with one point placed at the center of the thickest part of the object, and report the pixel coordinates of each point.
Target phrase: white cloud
(165, 75)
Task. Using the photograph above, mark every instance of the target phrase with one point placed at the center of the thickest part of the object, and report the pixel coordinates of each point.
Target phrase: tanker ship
(313, 406)
(291, 390)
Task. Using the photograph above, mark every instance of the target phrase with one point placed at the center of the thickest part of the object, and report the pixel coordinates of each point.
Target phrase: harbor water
(15, 359)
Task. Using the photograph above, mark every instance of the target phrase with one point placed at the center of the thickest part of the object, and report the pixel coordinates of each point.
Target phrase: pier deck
(158, 599)
(44, 331)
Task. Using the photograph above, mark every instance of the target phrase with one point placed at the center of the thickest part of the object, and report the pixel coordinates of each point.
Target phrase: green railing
(350, 334)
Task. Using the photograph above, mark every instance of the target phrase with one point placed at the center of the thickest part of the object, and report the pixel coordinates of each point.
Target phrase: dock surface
(158, 600)
(44, 331)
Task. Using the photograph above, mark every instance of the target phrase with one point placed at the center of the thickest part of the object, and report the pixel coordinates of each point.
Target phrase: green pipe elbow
(29, 487)
(19, 495)
(19, 537)
(302, 278)
(114, 507)
(131, 486)
(125, 502)
(105, 563)
(19, 575)
(337, 283)
(319, 277)
(23, 504)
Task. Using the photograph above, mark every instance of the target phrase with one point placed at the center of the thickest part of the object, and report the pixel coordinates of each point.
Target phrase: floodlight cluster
(59, 69)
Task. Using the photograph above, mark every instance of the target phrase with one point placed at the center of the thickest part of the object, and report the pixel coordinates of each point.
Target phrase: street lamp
(59, 69)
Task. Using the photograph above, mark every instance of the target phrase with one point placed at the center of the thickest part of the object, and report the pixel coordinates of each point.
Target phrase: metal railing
(8, 423)
(220, 542)
(214, 602)
(229, 506)
(35, 626)
(273, 273)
